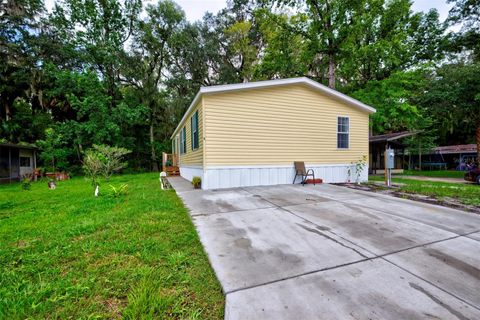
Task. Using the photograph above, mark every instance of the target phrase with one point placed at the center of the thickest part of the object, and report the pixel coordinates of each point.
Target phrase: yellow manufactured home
(251, 133)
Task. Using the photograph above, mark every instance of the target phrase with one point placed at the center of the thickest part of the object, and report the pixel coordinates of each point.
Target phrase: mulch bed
(394, 190)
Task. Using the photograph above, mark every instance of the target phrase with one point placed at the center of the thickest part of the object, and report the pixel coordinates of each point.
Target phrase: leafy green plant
(103, 161)
(111, 159)
(358, 167)
(54, 150)
(197, 182)
(26, 184)
(117, 192)
(92, 167)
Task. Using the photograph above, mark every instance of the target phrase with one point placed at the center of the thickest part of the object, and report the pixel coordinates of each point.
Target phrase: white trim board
(271, 83)
(190, 172)
(244, 176)
(276, 166)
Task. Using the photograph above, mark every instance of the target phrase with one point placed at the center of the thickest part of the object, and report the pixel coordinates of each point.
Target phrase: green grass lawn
(435, 173)
(66, 254)
(465, 193)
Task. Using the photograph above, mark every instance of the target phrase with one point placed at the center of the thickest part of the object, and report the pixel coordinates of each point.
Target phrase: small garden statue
(51, 185)
(163, 180)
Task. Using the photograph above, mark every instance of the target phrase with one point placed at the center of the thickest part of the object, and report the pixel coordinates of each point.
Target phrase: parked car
(473, 175)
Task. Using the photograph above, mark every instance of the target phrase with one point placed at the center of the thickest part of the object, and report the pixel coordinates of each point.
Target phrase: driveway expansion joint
(392, 214)
(296, 276)
(233, 211)
(262, 248)
(382, 257)
(432, 284)
(375, 256)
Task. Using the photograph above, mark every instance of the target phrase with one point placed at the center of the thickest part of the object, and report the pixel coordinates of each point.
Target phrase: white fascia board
(270, 83)
(192, 105)
(339, 95)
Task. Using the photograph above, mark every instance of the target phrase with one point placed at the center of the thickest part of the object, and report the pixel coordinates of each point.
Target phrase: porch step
(172, 170)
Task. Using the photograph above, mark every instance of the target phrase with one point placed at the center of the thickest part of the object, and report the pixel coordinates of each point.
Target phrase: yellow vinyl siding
(279, 125)
(193, 157)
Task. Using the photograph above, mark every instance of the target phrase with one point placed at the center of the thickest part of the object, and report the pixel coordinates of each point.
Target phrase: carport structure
(329, 252)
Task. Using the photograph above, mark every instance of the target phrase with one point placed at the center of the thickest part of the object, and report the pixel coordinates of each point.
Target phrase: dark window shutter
(191, 134)
(196, 130)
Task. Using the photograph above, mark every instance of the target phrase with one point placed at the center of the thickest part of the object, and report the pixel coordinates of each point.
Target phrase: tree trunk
(7, 112)
(111, 87)
(420, 157)
(79, 152)
(152, 146)
(478, 143)
(331, 72)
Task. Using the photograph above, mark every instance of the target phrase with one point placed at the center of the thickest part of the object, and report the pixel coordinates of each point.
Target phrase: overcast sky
(195, 9)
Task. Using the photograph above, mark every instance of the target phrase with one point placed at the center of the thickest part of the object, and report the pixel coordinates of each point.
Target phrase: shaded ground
(66, 254)
(329, 252)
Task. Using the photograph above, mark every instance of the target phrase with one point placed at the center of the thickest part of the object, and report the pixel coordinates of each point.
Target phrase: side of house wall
(191, 162)
(254, 136)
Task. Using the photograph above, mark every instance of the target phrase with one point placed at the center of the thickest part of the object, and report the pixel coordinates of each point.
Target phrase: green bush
(26, 184)
(196, 181)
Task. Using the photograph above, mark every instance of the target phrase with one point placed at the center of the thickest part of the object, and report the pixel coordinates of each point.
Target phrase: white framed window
(343, 132)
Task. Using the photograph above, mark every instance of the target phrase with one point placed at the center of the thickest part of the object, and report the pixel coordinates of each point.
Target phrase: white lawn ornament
(52, 185)
(163, 176)
(97, 189)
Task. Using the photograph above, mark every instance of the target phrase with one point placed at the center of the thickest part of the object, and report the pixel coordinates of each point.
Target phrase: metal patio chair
(302, 172)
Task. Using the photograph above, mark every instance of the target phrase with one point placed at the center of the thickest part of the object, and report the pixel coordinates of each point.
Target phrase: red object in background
(311, 181)
(57, 176)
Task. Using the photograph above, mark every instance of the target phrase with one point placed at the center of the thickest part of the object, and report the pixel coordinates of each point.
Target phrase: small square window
(25, 162)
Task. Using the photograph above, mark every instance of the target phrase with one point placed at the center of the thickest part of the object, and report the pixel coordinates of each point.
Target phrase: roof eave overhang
(192, 105)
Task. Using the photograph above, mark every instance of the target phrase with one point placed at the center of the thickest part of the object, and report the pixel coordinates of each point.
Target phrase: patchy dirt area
(395, 191)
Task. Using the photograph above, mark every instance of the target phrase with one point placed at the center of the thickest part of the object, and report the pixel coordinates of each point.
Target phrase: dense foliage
(122, 73)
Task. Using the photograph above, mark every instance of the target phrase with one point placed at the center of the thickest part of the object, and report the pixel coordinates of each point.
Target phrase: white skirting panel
(243, 176)
(190, 172)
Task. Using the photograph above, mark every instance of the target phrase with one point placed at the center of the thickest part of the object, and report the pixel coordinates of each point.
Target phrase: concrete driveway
(329, 252)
